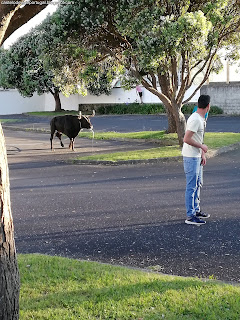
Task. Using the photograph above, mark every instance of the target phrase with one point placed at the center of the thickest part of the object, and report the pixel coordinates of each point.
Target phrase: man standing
(193, 152)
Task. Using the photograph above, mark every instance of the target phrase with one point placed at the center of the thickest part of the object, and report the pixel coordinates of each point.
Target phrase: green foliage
(132, 108)
(188, 109)
(216, 110)
(99, 79)
(22, 68)
(37, 63)
(174, 45)
(148, 108)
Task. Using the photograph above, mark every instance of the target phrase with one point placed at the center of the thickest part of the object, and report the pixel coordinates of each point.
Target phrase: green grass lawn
(54, 288)
(147, 135)
(214, 141)
(10, 120)
(152, 153)
(52, 113)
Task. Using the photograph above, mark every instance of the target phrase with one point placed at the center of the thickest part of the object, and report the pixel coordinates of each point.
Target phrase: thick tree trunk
(12, 17)
(172, 126)
(58, 106)
(9, 274)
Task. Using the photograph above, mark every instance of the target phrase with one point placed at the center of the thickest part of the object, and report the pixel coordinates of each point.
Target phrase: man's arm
(188, 138)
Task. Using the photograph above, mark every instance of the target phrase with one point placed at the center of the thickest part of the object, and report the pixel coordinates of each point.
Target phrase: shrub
(188, 109)
(216, 110)
(148, 108)
(132, 108)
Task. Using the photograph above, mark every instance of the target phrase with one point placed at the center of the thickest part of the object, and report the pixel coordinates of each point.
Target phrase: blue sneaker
(201, 214)
(195, 220)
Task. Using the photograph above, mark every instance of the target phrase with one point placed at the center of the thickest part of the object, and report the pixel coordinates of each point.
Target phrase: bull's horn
(93, 113)
(80, 115)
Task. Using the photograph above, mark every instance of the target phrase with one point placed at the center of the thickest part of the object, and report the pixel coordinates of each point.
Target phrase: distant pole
(228, 72)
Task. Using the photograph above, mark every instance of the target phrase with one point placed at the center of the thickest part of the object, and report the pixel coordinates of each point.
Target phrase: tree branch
(200, 85)
(174, 76)
(12, 17)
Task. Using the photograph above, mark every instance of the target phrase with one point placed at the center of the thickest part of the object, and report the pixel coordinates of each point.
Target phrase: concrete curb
(125, 162)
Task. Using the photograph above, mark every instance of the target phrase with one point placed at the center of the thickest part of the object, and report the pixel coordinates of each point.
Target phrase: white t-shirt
(195, 124)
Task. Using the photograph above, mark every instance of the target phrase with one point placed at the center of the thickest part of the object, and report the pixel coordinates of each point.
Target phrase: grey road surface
(126, 123)
(129, 215)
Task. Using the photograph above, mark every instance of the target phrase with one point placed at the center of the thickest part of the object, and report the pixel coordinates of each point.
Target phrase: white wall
(11, 102)
(118, 95)
(224, 95)
(70, 103)
(121, 96)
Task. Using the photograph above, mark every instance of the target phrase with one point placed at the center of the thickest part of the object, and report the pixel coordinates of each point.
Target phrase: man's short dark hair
(203, 101)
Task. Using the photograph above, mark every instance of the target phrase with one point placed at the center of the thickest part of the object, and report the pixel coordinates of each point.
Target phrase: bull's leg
(59, 135)
(51, 139)
(71, 144)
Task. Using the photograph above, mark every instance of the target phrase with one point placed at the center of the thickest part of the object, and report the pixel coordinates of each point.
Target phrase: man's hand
(204, 160)
(204, 148)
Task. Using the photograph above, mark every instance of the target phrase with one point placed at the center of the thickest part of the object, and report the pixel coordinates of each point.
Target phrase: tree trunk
(180, 123)
(12, 17)
(172, 126)
(58, 106)
(9, 274)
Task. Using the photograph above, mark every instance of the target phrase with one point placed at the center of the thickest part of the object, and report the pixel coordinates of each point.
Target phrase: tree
(99, 78)
(164, 44)
(11, 17)
(21, 67)
(31, 65)
(76, 69)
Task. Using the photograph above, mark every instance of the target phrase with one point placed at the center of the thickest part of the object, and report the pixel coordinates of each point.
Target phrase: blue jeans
(193, 172)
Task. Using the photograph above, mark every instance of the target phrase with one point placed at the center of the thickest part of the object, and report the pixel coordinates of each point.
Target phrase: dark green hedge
(188, 108)
(147, 108)
(132, 108)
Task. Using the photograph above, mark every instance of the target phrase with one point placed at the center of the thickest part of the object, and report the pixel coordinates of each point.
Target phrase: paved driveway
(130, 215)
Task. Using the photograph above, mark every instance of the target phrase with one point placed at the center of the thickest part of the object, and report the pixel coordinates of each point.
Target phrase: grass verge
(152, 153)
(214, 141)
(54, 288)
(52, 113)
(9, 120)
(145, 135)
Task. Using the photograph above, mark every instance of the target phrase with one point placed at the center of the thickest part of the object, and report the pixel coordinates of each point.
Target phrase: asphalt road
(129, 215)
(126, 123)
